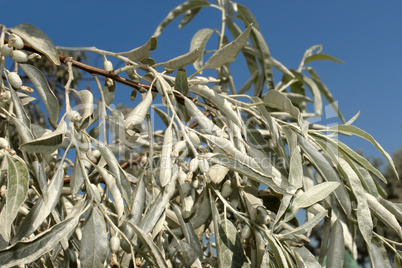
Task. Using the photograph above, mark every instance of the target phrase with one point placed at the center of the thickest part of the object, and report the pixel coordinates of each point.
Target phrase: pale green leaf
(229, 52)
(384, 215)
(19, 108)
(42, 207)
(278, 251)
(199, 41)
(77, 176)
(181, 61)
(310, 197)
(307, 226)
(29, 251)
(138, 114)
(181, 82)
(152, 248)
(276, 99)
(94, 246)
(17, 192)
(177, 11)
(38, 40)
(325, 168)
(336, 249)
(246, 15)
(142, 52)
(347, 129)
(49, 99)
(309, 259)
(230, 250)
(189, 16)
(46, 144)
(321, 56)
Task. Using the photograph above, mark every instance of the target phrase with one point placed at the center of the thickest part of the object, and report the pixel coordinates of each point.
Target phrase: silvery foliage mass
(220, 184)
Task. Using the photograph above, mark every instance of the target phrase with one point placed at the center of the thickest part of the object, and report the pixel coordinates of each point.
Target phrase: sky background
(366, 35)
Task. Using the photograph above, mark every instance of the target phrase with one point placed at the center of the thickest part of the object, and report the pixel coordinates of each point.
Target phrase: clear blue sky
(366, 35)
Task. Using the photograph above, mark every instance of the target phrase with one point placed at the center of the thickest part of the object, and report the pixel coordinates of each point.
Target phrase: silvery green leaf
(326, 93)
(363, 212)
(152, 248)
(181, 61)
(392, 207)
(138, 114)
(246, 15)
(230, 250)
(189, 16)
(177, 11)
(224, 106)
(19, 108)
(38, 40)
(165, 173)
(199, 41)
(321, 56)
(46, 144)
(278, 251)
(309, 259)
(229, 52)
(347, 129)
(324, 167)
(384, 215)
(94, 246)
(42, 207)
(77, 176)
(376, 257)
(87, 102)
(264, 57)
(122, 181)
(310, 197)
(142, 52)
(316, 94)
(206, 125)
(278, 100)
(17, 191)
(246, 170)
(296, 170)
(336, 249)
(28, 251)
(49, 99)
(202, 210)
(307, 226)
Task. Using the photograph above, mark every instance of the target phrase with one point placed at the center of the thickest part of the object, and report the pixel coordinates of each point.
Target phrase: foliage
(220, 185)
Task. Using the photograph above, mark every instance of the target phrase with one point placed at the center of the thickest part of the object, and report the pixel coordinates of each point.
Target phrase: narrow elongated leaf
(165, 174)
(28, 251)
(189, 16)
(224, 106)
(153, 249)
(181, 82)
(94, 246)
(42, 207)
(137, 115)
(336, 250)
(246, 170)
(77, 176)
(177, 11)
(278, 251)
(17, 191)
(384, 215)
(230, 250)
(199, 41)
(316, 94)
(310, 197)
(19, 109)
(309, 259)
(347, 129)
(142, 52)
(307, 226)
(246, 16)
(49, 99)
(326, 93)
(278, 100)
(122, 181)
(229, 52)
(46, 144)
(328, 172)
(321, 56)
(181, 61)
(247, 86)
(363, 212)
(38, 40)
